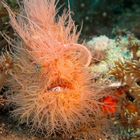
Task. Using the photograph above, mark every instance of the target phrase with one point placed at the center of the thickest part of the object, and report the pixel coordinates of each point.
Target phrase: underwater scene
(69, 69)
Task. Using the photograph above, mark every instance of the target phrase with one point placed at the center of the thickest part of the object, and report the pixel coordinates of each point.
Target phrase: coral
(134, 45)
(99, 43)
(6, 65)
(109, 51)
(128, 74)
(120, 69)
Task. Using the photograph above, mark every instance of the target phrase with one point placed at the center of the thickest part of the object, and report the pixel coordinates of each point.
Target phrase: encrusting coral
(127, 73)
(120, 69)
(50, 84)
(109, 51)
(6, 66)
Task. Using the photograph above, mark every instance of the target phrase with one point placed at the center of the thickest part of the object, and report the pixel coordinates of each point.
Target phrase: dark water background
(105, 16)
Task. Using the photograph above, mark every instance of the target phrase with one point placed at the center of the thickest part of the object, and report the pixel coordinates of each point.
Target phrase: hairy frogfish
(50, 85)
